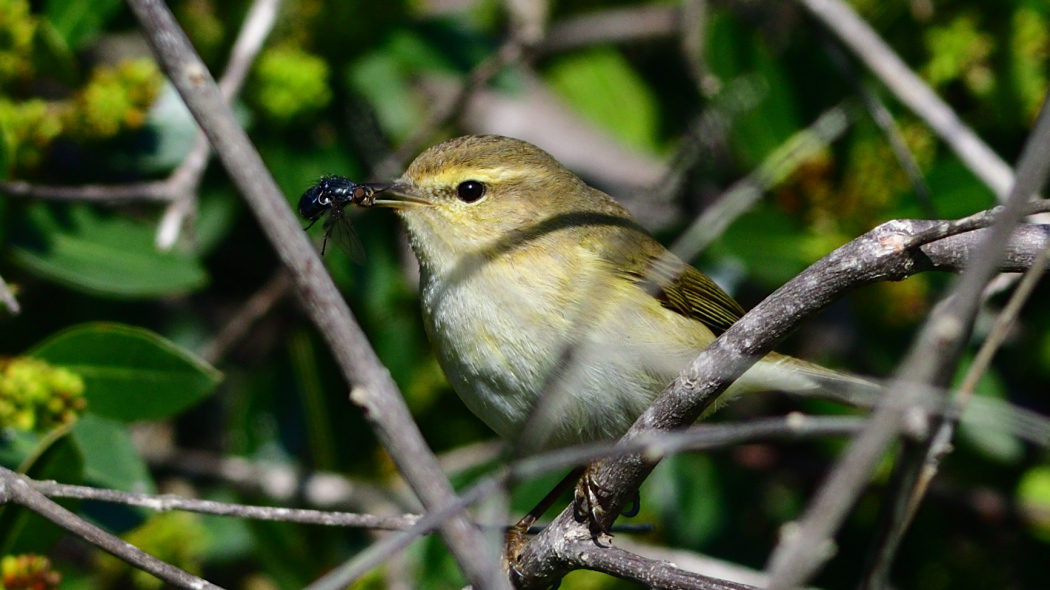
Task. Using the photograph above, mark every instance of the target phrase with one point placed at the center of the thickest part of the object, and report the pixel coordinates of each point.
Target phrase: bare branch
(630, 566)
(8, 298)
(616, 25)
(168, 502)
(913, 92)
(237, 326)
(744, 193)
(18, 490)
(159, 192)
(888, 252)
(374, 390)
(930, 363)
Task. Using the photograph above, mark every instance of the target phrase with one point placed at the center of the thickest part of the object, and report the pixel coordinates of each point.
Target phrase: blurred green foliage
(338, 86)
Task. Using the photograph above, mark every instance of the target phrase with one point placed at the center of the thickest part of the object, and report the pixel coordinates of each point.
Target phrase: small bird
(555, 316)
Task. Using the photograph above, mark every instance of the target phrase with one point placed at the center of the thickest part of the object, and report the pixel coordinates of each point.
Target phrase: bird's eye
(470, 191)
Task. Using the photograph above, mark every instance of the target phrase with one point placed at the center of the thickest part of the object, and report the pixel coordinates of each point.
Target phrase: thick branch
(375, 391)
(929, 364)
(650, 572)
(888, 252)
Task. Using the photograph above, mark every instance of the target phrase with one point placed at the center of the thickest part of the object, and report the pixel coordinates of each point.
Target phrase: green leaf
(217, 211)
(130, 373)
(104, 254)
(386, 86)
(691, 518)
(51, 54)
(22, 531)
(110, 458)
(1033, 495)
(5, 155)
(79, 21)
(17, 446)
(992, 440)
(603, 86)
(767, 241)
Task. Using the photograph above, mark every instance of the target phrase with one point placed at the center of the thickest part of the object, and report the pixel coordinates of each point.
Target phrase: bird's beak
(395, 195)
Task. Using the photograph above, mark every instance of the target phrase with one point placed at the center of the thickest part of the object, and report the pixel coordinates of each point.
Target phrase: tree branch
(891, 251)
(168, 502)
(929, 364)
(913, 92)
(374, 390)
(630, 566)
(179, 190)
(17, 489)
(8, 298)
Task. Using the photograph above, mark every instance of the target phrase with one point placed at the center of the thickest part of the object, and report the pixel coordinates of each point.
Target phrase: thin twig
(374, 389)
(930, 363)
(877, 574)
(17, 489)
(705, 136)
(159, 192)
(656, 444)
(179, 190)
(615, 25)
(510, 52)
(744, 193)
(8, 298)
(236, 327)
(884, 119)
(168, 502)
(187, 177)
(696, 562)
(692, 30)
(913, 92)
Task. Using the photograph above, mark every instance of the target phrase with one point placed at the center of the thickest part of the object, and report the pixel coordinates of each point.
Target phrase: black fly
(331, 195)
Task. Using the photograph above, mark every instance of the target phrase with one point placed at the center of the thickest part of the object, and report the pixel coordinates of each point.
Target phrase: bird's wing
(677, 286)
(689, 292)
(637, 256)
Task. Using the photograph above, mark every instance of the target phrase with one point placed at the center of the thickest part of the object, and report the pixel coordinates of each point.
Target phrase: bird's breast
(497, 327)
(513, 330)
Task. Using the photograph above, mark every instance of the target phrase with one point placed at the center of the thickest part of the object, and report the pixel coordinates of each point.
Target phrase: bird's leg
(515, 538)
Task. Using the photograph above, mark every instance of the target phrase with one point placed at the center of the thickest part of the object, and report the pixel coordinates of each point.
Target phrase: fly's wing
(337, 228)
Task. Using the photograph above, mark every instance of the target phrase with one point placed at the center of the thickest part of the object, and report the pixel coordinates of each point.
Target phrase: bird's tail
(780, 372)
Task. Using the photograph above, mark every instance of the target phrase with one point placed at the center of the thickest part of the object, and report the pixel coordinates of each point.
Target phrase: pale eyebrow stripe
(497, 174)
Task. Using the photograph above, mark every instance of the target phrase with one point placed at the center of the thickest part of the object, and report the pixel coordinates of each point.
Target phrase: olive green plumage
(555, 316)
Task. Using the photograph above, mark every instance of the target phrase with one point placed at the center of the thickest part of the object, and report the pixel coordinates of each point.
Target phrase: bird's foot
(590, 502)
(513, 542)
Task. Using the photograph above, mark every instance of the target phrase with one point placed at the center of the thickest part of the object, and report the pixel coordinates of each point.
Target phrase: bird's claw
(589, 503)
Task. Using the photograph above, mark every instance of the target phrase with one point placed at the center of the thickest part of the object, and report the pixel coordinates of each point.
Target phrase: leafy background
(341, 84)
